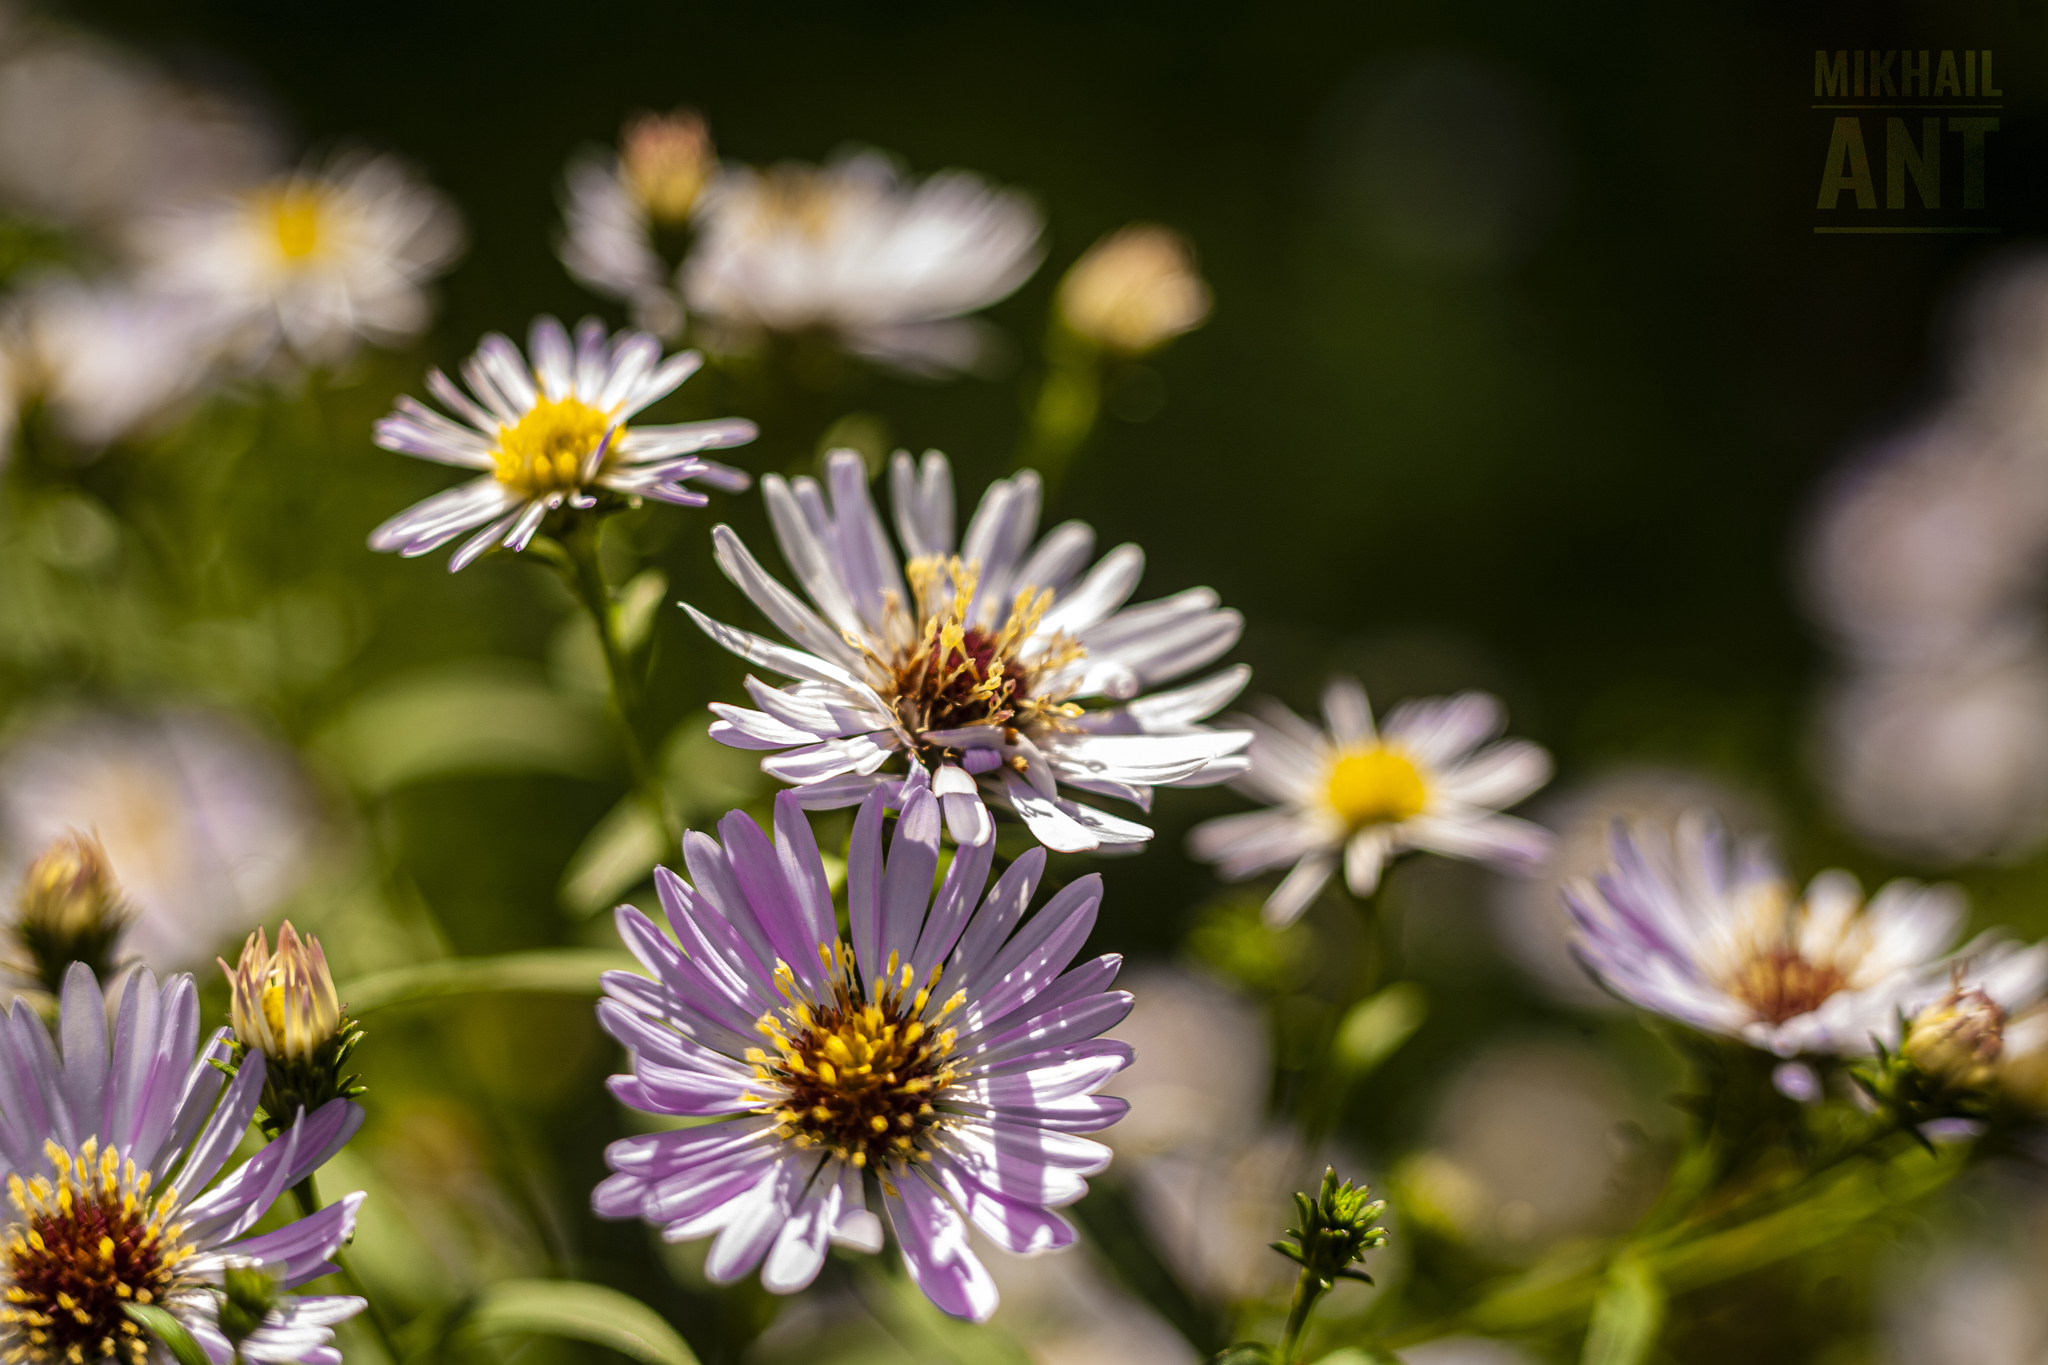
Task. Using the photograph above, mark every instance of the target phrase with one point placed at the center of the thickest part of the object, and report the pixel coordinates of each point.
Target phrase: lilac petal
(756, 1218)
(224, 1132)
(1000, 911)
(934, 1242)
(307, 1246)
(799, 1250)
(864, 887)
(83, 1026)
(907, 882)
(1023, 1229)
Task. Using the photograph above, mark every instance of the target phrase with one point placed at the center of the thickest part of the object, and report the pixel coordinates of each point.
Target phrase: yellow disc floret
(82, 1246)
(1375, 786)
(857, 1075)
(550, 449)
(295, 222)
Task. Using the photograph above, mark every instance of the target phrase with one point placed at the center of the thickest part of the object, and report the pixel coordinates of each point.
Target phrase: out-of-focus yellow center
(546, 451)
(1375, 787)
(295, 220)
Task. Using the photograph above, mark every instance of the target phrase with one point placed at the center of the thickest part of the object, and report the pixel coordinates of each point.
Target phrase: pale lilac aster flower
(1421, 780)
(1713, 934)
(115, 1140)
(947, 1054)
(970, 662)
(887, 266)
(550, 431)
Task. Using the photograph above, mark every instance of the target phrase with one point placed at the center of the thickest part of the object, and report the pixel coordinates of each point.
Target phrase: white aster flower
(1421, 780)
(314, 261)
(886, 266)
(971, 661)
(612, 205)
(1716, 937)
(104, 358)
(550, 431)
(206, 826)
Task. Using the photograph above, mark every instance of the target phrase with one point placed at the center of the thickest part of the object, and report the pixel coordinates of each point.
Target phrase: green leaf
(1376, 1026)
(159, 1323)
(486, 716)
(1627, 1316)
(613, 858)
(1245, 1353)
(547, 971)
(580, 1312)
(633, 613)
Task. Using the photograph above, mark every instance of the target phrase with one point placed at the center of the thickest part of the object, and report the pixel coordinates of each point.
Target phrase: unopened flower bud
(1336, 1230)
(1958, 1039)
(667, 160)
(1134, 290)
(284, 1006)
(70, 909)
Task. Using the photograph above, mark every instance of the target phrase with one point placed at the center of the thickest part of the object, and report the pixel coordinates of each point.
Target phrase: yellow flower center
(546, 451)
(295, 222)
(79, 1249)
(857, 1076)
(1375, 787)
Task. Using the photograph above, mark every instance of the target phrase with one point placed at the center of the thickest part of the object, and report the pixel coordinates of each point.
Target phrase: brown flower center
(957, 675)
(1779, 984)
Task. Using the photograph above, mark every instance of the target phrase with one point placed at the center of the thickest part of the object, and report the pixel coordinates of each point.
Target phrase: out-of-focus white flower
(206, 825)
(314, 261)
(887, 266)
(1134, 290)
(1529, 913)
(612, 204)
(1713, 936)
(1949, 761)
(92, 138)
(551, 428)
(1365, 794)
(968, 664)
(104, 358)
(1524, 1150)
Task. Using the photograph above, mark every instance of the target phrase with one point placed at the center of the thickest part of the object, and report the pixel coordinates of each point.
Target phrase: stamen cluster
(555, 448)
(857, 1076)
(1779, 983)
(80, 1248)
(957, 675)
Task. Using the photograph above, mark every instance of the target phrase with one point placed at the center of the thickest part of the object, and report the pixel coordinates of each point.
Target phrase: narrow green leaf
(1245, 1353)
(159, 1323)
(614, 857)
(1376, 1026)
(580, 1312)
(633, 613)
(548, 971)
(485, 716)
(1627, 1316)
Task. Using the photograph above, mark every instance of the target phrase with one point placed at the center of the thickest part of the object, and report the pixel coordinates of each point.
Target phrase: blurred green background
(1535, 401)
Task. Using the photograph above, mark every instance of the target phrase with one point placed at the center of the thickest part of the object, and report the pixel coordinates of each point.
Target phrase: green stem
(1758, 1232)
(1307, 1290)
(308, 1196)
(581, 570)
(1069, 400)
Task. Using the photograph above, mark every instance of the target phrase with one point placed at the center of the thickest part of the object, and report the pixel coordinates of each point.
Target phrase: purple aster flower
(946, 1057)
(110, 1146)
(971, 664)
(1717, 937)
(549, 432)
